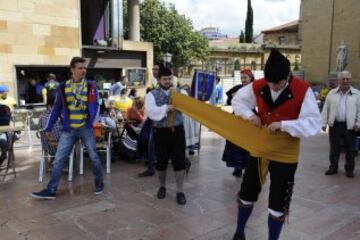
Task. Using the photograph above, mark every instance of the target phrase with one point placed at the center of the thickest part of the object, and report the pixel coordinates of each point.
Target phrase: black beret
(277, 67)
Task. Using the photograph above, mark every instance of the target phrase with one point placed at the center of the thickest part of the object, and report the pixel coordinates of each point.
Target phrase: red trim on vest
(288, 110)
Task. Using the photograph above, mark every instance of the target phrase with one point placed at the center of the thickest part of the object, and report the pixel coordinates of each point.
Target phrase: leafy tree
(170, 32)
(249, 23)
(242, 37)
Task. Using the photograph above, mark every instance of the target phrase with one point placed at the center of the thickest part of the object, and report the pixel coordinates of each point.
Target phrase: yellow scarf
(259, 142)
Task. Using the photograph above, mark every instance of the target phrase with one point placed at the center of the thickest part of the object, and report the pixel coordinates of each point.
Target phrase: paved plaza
(323, 207)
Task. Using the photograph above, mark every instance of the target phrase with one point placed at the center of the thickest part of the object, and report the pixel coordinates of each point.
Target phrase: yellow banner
(258, 141)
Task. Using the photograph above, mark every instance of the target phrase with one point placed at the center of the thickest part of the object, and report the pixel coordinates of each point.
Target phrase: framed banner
(202, 86)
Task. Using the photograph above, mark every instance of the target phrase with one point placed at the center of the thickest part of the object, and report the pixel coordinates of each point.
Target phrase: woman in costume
(234, 156)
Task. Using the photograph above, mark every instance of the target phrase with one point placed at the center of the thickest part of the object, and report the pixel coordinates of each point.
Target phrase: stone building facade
(38, 34)
(324, 24)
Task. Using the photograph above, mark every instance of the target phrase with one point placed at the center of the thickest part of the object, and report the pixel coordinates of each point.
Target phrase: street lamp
(167, 59)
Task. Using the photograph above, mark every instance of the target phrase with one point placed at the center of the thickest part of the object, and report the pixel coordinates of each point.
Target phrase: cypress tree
(242, 37)
(249, 23)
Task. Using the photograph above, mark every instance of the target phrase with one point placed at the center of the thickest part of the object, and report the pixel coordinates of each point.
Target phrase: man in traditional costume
(284, 103)
(169, 135)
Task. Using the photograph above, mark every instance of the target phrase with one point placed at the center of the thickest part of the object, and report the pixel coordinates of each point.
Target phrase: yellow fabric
(8, 101)
(44, 92)
(323, 93)
(263, 169)
(123, 104)
(259, 142)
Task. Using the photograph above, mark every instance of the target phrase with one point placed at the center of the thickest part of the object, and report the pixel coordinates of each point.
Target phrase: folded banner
(258, 141)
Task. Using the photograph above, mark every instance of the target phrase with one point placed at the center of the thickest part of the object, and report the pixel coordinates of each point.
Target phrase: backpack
(5, 115)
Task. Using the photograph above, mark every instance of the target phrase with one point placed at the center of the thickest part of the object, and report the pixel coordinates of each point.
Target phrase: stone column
(134, 20)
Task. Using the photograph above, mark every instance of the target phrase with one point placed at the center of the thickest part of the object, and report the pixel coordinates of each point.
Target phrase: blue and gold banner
(202, 86)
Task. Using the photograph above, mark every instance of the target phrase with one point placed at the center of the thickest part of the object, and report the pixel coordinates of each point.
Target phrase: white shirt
(341, 112)
(276, 94)
(116, 88)
(154, 112)
(307, 124)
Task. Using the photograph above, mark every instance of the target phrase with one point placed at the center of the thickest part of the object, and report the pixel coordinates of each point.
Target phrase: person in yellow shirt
(123, 103)
(50, 86)
(5, 99)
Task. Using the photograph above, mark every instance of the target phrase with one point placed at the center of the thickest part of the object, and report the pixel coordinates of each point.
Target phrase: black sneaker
(331, 171)
(44, 194)
(147, 173)
(180, 198)
(161, 194)
(99, 188)
(239, 236)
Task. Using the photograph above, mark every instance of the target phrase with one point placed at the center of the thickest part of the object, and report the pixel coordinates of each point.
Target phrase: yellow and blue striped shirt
(77, 101)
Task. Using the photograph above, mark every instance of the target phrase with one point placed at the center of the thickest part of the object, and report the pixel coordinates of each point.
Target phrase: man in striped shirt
(77, 104)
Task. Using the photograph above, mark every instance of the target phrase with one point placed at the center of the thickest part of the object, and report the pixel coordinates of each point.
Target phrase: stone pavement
(322, 208)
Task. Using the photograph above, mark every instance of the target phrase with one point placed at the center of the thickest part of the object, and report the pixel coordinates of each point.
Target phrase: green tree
(170, 32)
(249, 23)
(242, 37)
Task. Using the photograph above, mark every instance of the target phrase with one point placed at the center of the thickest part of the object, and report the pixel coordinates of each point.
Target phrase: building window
(31, 79)
(99, 22)
(281, 40)
(136, 77)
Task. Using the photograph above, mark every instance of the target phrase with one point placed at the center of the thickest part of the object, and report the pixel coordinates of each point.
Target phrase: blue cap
(4, 88)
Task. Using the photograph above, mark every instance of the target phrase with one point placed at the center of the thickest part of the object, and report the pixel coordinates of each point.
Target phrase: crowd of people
(279, 101)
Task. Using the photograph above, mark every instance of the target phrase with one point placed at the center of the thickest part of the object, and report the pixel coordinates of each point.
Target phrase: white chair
(45, 158)
(103, 146)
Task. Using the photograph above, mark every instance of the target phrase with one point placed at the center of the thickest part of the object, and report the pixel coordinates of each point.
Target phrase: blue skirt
(235, 156)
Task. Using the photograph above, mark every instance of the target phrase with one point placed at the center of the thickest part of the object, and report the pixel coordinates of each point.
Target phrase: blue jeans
(65, 147)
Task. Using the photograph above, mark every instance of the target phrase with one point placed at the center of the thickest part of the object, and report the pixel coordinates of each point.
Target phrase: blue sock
(275, 226)
(244, 213)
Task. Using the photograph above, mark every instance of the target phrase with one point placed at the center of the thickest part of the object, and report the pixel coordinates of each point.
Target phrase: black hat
(164, 71)
(277, 67)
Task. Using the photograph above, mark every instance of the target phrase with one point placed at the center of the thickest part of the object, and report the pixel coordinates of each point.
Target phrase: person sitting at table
(136, 112)
(55, 132)
(111, 116)
(5, 99)
(5, 117)
(123, 103)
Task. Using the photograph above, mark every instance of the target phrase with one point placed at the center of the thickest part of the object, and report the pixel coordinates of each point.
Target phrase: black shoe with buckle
(180, 198)
(350, 174)
(239, 236)
(161, 194)
(147, 173)
(331, 171)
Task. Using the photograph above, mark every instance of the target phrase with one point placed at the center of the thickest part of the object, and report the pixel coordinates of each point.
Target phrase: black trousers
(281, 183)
(170, 144)
(337, 133)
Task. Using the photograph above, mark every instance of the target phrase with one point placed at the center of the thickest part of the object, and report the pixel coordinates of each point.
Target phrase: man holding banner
(285, 103)
(169, 135)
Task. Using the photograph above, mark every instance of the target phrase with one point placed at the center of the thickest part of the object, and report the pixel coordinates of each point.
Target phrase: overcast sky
(229, 15)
